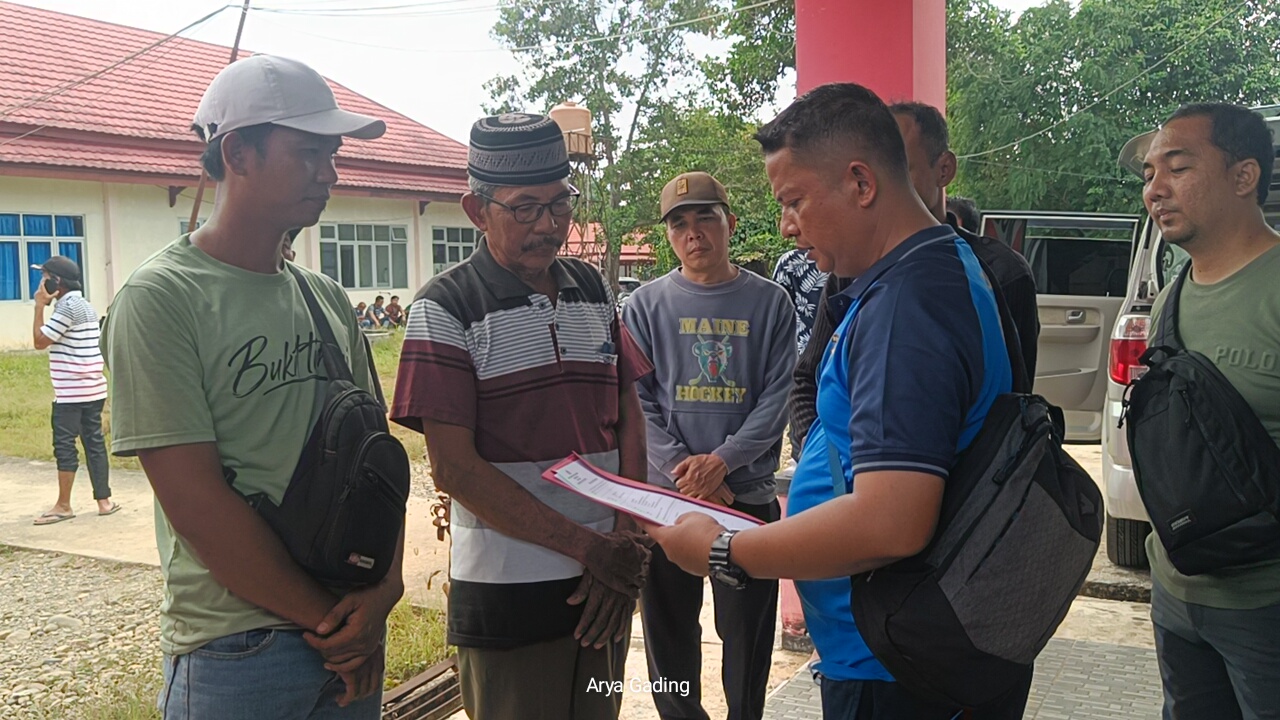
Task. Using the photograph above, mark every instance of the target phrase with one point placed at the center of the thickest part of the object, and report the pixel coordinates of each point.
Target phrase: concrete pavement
(1100, 662)
(29, 487)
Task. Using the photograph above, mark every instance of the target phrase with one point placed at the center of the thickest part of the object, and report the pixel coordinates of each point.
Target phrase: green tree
(620, 59)
(683, 136)
(764, 52)
(1012, 82)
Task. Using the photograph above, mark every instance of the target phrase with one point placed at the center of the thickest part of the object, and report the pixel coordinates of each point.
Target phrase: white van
(1080, 262)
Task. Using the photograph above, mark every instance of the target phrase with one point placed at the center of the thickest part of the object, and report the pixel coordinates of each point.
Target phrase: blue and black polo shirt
(905, 384)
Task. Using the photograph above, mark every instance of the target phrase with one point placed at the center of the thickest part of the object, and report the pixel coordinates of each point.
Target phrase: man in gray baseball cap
(216, 380)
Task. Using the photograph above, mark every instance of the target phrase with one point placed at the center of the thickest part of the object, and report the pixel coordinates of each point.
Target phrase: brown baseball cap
(692, 188)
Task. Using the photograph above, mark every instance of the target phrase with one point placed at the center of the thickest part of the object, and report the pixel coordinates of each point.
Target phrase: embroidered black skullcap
(517, 149)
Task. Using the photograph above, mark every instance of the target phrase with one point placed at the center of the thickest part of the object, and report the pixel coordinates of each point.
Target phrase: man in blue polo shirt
(904, 387)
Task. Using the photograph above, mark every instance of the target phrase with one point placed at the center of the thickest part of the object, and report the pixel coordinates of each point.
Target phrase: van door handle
(1075, 316)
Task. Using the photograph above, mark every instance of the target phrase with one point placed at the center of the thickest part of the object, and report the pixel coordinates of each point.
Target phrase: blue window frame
(28, 239)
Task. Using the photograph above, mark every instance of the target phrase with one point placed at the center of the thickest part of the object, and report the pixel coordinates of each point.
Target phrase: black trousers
(82, 420)
(745, 621)
(879, 700)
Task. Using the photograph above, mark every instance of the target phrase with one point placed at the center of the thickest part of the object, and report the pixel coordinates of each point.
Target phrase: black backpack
(341, 516)
(1207, 470)
(962, 622)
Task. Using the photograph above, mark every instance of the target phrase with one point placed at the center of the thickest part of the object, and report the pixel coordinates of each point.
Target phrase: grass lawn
(28, 395)
(415, 642)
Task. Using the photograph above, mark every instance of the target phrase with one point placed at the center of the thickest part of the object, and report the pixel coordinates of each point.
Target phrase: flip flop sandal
(114, 508)
(50, 518)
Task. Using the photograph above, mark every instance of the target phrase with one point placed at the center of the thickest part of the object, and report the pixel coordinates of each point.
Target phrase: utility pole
(204, 177)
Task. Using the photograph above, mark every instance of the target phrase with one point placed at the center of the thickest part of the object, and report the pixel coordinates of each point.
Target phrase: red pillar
(898, 48)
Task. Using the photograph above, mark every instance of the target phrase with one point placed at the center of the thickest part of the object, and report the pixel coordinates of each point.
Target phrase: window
(364, 257)
(30, 239)
(450, 246)
(184, 224)
(1071, 255)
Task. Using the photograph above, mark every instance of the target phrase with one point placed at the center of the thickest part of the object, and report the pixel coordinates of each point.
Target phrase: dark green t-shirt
(1236, 324)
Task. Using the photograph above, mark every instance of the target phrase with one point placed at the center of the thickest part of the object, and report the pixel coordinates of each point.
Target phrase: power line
(138, 68)
(77, 82)
(1047, 170)
(526, 48)
(379, 12)
(372, 9)
(1116, 89)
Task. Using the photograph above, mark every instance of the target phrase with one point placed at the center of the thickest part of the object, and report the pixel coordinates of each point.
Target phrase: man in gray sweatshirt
(722, 341)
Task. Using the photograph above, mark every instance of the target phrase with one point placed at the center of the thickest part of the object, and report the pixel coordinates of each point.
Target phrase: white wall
(27, 195)
(125, 224)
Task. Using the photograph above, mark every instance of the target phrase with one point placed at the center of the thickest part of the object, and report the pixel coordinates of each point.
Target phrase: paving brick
(1074, 680)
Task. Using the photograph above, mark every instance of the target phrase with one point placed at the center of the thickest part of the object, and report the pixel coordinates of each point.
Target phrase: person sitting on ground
(362, 316)
(378, 314)
(395, 313)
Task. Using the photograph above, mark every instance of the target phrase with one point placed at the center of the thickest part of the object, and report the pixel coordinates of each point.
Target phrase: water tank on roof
(575, 122)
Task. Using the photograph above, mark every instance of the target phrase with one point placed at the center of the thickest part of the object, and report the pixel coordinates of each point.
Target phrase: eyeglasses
(528, 213)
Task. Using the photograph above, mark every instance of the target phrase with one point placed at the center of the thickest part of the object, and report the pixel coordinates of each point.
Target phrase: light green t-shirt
(1236, 324)
(201, 351)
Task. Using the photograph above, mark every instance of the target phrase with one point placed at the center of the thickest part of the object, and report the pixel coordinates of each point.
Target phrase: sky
(427, 59)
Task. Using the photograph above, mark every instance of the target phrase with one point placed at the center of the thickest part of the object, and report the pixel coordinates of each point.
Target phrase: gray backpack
(1018, 530)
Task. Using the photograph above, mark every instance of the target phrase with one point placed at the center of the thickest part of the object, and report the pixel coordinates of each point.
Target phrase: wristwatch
(722, 568)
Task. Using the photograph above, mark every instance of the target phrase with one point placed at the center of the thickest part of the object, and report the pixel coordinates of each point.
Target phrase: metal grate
(433, 695)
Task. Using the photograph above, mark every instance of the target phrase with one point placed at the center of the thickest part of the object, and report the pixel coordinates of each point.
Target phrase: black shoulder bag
(1018, 529)
(343, 511)
(1207, 470)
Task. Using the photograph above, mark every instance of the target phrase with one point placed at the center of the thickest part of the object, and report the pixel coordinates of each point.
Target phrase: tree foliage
(620, 59)
(681, 137)
(1007, 81)
(1039, 105)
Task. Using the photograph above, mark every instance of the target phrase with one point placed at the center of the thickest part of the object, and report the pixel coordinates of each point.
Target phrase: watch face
(729, 578)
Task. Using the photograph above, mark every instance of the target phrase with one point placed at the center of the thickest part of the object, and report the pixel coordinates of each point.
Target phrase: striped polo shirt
(535, 381)
(75, 361)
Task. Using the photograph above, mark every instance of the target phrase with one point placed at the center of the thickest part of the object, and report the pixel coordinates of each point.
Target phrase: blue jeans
(257, 675)
(1215, 663)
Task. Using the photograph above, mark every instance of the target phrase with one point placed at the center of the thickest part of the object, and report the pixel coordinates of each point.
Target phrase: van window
(1079, 256)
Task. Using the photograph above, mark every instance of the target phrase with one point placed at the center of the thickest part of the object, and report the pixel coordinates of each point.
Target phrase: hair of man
(1240, 134)
(966, 211)
(482, 189)
(835, 122)
(254, 136)
(929, 123)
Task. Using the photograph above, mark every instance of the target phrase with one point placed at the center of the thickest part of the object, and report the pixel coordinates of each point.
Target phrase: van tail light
(1128, 342)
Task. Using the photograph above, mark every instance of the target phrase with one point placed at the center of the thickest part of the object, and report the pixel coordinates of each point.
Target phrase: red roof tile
(592, 251)
(147, 104)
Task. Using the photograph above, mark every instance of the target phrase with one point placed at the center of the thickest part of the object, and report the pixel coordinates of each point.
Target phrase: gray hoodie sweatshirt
(723, 356)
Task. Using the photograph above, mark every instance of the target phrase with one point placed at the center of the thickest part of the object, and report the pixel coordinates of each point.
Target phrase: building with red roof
(98, 162)
(635, 259)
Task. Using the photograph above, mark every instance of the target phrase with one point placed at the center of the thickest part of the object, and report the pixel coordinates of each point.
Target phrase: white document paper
(653, 504)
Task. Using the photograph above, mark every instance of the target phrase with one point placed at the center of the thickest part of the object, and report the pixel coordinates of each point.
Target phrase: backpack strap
(1022, 382)
(373, 373)
(334, 361)
(1167, 334)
